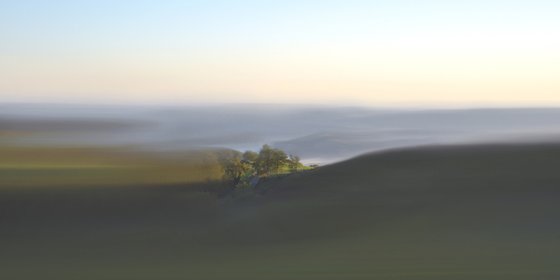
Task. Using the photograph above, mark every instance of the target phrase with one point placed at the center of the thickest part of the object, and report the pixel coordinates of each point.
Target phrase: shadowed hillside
(456, 212)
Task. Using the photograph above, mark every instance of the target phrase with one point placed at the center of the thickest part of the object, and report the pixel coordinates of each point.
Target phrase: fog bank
(318, 134)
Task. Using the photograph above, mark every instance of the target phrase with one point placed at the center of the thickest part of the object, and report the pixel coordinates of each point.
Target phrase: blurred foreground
(457, 212)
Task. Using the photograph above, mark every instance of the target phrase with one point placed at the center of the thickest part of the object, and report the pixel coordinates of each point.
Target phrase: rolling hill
(448, 212)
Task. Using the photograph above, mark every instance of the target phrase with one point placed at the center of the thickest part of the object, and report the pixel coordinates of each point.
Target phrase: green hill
(457, 212)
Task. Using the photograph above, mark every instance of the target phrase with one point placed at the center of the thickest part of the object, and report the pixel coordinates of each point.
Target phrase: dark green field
(461, 212)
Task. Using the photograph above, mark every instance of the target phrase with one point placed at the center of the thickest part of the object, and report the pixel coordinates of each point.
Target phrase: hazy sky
(329, 52)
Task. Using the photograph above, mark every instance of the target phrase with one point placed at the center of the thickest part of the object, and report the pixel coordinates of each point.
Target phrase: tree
(235, 168)
(241, 168)
(270, 160)
(294, 163)
(250, 156)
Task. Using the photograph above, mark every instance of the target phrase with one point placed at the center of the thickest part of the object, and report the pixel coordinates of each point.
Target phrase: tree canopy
(239, 167)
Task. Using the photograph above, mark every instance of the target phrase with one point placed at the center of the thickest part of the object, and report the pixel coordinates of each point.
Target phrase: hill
(73, 166)
(453, 212)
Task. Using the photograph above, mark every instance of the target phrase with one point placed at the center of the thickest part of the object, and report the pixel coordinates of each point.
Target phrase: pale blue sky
(354, 52)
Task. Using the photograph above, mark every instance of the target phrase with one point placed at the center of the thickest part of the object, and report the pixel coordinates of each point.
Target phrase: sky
(371, 53)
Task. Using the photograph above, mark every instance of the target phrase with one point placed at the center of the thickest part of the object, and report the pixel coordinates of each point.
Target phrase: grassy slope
(44, 167)
(485, 212)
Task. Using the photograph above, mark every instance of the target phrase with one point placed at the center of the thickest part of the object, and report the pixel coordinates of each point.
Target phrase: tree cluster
(239, 168)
